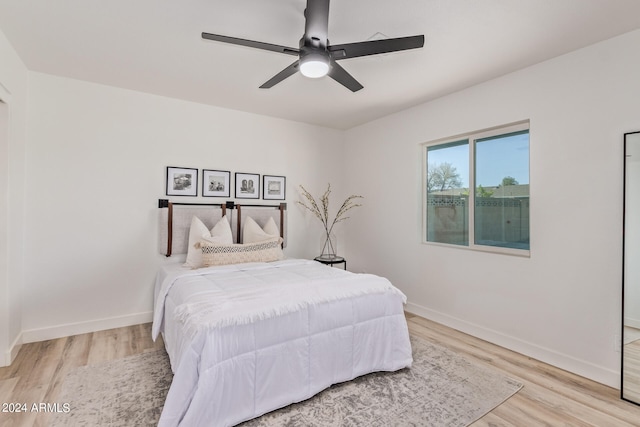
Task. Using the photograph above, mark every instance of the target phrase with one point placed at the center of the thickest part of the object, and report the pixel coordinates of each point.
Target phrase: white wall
(561, 305)
(13, 93)
(632, 233)
(96, 164)
(4, 221)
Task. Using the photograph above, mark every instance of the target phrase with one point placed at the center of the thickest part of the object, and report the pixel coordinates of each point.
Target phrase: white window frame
(471, 138)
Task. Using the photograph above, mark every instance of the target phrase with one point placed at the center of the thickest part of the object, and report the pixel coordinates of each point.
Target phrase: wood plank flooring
(37, 373)
(550, 396)
(631, 378)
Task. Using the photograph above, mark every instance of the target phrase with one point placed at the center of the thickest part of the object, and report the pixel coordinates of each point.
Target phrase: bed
(247, 338)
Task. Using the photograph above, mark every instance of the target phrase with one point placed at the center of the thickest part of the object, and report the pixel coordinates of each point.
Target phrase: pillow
(219, 234)
(252, 233)
(271, 228)
(221, 254)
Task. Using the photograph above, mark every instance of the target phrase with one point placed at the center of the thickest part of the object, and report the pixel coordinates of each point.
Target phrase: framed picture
(273, 187)
(216, 183)
(247, 185)
(182, 181)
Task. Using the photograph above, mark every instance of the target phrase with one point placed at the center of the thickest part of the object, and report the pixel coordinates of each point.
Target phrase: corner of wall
(12, 351)
(13, 93)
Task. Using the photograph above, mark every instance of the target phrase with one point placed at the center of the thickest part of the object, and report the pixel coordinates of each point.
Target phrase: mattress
(247, 339)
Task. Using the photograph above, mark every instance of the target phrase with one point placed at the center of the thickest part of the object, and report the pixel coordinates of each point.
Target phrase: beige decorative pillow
(265, 251)
(219, 234)
(252, 232)
(271, 228)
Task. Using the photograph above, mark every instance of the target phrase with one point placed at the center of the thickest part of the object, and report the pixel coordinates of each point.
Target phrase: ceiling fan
(316, 57)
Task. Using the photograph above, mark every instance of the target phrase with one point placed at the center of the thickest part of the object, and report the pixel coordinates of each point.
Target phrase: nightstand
(331, 260)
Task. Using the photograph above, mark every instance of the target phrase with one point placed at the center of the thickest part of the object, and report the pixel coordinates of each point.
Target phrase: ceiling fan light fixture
(314, 65)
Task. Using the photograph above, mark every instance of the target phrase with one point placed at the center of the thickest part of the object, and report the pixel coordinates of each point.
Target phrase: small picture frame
(182, 181)
(273, 187)
(216, 183)
(247, 185)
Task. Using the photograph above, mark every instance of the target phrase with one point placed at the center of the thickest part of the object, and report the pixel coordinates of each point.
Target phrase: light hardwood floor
(37, 373)
(550, 396)
(631, 377)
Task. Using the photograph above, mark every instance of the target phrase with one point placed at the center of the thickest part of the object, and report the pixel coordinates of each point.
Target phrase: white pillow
(271, 228)
(219, 234)
(253, 233)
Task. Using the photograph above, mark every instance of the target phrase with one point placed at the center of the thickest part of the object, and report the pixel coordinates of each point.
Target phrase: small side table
(331, 260)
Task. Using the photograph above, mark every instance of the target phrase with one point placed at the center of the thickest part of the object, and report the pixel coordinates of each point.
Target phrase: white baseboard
(12, 352)
(65, 330)
(562, 361)
(15, 348)
(634, 323)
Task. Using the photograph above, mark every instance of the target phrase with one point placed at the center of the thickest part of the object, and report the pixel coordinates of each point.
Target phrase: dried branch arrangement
(321, 211)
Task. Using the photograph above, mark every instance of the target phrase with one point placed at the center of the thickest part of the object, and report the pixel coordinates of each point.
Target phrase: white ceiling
(155, 46)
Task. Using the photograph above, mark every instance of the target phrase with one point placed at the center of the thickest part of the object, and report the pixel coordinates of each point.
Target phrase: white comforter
(250, 338)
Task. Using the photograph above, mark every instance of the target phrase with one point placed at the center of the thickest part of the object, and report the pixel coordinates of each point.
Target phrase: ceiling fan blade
(316, 26)
(340, 75)
(287, 72)
(375, 47)
(251, 43)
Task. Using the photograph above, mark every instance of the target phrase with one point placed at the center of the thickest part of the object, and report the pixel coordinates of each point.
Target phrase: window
(493, 217)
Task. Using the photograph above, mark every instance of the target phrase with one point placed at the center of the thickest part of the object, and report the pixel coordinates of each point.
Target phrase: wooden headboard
(175, 221)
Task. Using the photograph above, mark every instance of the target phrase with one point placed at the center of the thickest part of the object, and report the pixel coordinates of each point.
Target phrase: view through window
(495, 164)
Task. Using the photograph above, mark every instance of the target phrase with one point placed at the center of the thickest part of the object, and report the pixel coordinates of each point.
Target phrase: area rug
(122, 393)
(440, 389)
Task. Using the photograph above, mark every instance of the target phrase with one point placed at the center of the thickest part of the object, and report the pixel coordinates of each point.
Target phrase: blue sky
(495, 159)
